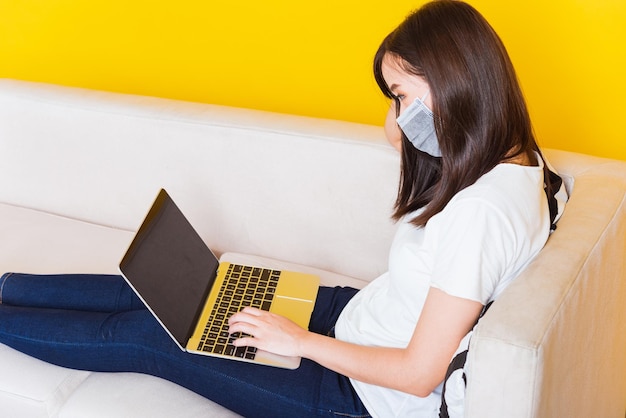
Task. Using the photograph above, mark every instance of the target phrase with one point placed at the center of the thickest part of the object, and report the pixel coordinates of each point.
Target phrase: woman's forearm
(416, 369)
(382, 366)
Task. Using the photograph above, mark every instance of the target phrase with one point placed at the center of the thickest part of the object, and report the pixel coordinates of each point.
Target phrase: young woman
(472, 213)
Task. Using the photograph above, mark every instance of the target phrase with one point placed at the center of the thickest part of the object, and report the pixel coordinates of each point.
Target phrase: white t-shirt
(473, 249)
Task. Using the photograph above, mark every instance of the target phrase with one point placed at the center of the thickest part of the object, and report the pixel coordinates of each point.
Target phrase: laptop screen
(170, 267)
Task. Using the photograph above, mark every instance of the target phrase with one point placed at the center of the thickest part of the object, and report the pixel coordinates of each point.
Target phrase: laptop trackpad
(299, 311)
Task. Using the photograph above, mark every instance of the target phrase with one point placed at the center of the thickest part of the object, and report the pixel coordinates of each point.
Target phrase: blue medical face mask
(418, 125)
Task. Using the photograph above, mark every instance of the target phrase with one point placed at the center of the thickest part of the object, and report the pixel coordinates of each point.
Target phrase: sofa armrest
(560, 328)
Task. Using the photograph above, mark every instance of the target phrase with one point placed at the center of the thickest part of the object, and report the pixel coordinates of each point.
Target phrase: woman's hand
(269, 332)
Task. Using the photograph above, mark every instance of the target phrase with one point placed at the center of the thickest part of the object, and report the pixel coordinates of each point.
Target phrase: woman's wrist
(308, 344)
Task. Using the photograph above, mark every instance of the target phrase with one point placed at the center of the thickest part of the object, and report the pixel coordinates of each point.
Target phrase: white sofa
(79, 169)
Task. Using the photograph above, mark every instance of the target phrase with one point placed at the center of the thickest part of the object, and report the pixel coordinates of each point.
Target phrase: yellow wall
(314, 58)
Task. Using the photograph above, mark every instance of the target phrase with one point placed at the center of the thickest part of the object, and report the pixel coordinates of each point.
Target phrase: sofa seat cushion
(40, 242)
(105, 395)
(40, 389)
(33, 388)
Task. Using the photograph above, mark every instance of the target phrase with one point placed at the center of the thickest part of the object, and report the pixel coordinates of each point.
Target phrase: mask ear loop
(424, 103)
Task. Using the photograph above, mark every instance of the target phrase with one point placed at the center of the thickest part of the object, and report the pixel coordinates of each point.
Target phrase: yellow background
(314, 58)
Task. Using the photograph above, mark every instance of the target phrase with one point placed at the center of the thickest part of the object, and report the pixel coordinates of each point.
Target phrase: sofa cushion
(39, 389)
(39, 242)
(313, 191)
(32, 388)
(107, 395)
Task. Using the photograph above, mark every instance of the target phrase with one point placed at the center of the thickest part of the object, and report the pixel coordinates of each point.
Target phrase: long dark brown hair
(481, 118)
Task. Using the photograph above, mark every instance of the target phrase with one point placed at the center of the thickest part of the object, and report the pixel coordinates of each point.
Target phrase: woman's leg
(328, 306)
(83, 292)
(134, 341)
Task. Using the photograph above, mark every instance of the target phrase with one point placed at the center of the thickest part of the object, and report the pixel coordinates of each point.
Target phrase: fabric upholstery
(80, 168)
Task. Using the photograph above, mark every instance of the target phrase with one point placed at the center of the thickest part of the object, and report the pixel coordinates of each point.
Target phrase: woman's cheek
(392, 130)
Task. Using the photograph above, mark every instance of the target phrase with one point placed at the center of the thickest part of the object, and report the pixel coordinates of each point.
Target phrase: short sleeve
(472, 243)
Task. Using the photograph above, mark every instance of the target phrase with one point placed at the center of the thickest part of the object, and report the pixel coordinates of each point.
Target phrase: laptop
(192, 294)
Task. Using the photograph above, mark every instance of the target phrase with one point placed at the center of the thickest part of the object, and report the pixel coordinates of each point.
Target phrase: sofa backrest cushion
(309, 191)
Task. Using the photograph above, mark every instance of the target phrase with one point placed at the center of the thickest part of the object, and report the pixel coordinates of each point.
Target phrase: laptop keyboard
(243, 286)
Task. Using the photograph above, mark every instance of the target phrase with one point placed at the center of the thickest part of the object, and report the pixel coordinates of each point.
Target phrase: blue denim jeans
(95, 322)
